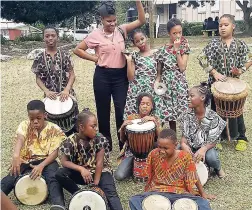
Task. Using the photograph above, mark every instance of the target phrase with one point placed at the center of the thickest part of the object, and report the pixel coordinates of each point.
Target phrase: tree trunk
(247, 19)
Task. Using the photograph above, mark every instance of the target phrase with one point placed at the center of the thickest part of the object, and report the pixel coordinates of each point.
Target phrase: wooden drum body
(141, 137)
(30, 192)
(230, 97)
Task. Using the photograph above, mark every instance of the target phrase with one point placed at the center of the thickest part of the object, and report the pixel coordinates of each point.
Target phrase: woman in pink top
(110, 76)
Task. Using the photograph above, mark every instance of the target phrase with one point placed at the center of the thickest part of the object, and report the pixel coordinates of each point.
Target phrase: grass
(19, 87)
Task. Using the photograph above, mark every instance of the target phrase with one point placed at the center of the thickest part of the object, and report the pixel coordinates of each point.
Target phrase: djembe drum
(184, 204)
(156, 202)
(30, 192)
(89, 199)
(202, 172)
(141, 137)
(229, 97)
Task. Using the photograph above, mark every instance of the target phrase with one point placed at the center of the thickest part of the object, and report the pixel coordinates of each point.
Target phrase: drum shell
(141, 143)
(93, 189)
(138, 171)
(15, 193)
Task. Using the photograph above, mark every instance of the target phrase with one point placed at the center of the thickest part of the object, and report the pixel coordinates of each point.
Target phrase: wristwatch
(178, 52)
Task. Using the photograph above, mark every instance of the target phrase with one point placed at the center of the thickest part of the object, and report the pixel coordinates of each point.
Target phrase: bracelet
(178, 52)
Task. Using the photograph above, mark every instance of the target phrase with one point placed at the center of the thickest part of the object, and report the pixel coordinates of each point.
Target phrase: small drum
(61, 113)
(138, 174)
(141, 137)
(203, 172)
(156, 202)
(184, 204)
(30, 192)
(230, 97)
(92, 199)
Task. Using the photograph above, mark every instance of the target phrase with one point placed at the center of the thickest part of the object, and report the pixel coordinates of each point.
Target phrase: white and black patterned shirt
(199, 133)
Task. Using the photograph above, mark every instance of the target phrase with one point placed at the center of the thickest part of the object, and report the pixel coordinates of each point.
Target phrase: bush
(191, 29)
(240, 26)
(31, 37)
(3, 40)
(67, 38)
(196, 30)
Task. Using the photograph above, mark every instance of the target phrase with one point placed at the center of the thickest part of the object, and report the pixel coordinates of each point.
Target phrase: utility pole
(151, 25)
(74, 28)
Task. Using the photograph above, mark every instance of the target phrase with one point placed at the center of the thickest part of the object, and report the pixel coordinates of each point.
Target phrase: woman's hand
(36, 171)
(50, 94)
(219, 77)
(200, 155)
(64, 95)
(236, 71)
(148, 118)
(176, 44)
(128, 57)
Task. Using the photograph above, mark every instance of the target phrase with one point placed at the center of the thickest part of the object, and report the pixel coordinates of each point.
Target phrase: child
(172, 62)
(85, 159)
(54, 70)
(6, 203)
(171, 173)
(141, 72)
(36, 149)
(145, 110)
(201, 128)
(227, 57)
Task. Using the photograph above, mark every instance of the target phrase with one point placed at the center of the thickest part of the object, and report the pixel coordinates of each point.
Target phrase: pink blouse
(109, 51)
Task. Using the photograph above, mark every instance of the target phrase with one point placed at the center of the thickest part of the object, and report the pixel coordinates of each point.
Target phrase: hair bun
(204, 84)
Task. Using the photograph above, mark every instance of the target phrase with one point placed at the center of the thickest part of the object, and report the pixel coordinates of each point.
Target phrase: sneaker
(219, 147)
(221, 174)
(57, 207)
(241, 145)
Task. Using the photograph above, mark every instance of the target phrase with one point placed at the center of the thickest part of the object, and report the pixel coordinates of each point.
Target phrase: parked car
(80, 34)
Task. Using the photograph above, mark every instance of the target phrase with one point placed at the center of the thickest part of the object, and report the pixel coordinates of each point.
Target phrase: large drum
(91, 199)
(141, 137)
(203, 172)
(61, 113)
(156, 202)
(138, 170)
(30, 192)
(184, 204)
(229, 97)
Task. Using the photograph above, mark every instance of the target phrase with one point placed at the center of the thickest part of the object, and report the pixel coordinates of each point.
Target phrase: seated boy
(171, 173)
(36, 149)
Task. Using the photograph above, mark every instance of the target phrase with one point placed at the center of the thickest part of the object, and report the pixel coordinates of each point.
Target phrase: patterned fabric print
(37, 147)
(50, 73)
(83, 153)
(174, 101)
(201, 133)
(145, 76)
(216, 55)
(125, 152)
(178, 178)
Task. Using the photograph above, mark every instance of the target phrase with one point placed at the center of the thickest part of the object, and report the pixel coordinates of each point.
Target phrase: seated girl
(145, 111)
(201, 128)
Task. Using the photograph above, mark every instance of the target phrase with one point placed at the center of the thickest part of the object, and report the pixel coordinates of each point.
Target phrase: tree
(44, 11)
(245, 5)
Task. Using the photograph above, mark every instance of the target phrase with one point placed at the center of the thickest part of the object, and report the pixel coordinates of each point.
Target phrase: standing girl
(110, 78)
(85, 159)
(172, 62)
(227, 57)
(141, 72)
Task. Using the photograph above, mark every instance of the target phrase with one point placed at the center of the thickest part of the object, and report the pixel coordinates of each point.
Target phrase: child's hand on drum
(86, 175)
(148, 118)
(208, 196)
(236, 71)
(15, 166)
(64, 95)
(126, 122)
(219, 77)
(50, 94)
(36, 171)
(200, 155)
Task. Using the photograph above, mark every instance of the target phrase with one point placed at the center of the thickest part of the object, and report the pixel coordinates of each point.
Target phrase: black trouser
(110, 82)
(55, 190)
(237, 127)
(69, 179)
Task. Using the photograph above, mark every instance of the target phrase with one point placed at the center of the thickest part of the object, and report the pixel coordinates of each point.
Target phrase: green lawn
(19, 87)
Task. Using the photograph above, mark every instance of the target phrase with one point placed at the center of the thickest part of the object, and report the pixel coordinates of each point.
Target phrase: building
(11, 30)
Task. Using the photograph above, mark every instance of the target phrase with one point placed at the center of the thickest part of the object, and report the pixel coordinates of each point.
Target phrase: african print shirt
(125, 152)
(39, 146)
(49, 70)
(207, 131)
(216, 55)
(178, 178)
(83, 153)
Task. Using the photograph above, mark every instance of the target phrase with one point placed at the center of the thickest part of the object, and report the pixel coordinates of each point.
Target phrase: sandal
(241, 145)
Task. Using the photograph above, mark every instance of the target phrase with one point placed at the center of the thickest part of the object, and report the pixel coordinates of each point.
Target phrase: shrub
(196, 30)
(191, 29)
(3, 40)
(31, 37)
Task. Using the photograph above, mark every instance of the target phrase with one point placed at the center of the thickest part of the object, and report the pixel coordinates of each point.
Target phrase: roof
(6, 24)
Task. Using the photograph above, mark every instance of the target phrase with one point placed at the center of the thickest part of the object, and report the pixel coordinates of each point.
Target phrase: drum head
(202, 172)
(89, 199)
(56, 107)
(30, 192)
(137, 126)
(156, 202)
(184, 204)
(231, 86)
